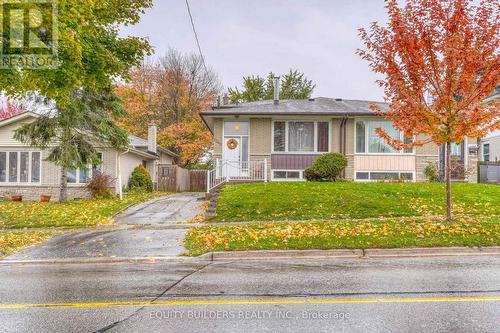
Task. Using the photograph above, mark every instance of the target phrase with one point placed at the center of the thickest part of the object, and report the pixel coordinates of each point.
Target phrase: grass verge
(413, 232)
(349, 200)
(12, 242)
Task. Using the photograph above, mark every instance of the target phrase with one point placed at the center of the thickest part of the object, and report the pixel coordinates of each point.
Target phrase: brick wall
(33, 193)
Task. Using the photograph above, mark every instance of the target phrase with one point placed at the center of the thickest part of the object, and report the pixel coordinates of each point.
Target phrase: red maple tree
(444, 49)
(10, 110)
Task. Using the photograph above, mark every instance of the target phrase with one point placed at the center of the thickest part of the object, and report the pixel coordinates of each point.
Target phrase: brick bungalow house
(277, 140)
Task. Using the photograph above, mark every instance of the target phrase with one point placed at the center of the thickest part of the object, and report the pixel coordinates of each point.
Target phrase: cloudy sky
(238, 38)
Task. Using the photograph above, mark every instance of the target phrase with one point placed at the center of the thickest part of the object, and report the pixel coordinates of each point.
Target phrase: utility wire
(196, 36)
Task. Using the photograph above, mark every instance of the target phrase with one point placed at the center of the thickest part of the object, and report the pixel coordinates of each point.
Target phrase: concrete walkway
(135, 235)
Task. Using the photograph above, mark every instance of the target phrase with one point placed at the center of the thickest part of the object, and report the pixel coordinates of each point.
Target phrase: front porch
(236, 171)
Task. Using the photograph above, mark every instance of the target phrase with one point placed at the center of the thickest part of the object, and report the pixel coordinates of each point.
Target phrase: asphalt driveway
(175, 208)
(141, 231)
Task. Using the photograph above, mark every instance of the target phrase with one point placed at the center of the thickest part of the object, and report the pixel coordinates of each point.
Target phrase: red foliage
(10, 110)
(445, 49)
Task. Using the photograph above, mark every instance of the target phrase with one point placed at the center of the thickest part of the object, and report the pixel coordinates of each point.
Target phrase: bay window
(368, 141)
(301, 136)
(20, 167)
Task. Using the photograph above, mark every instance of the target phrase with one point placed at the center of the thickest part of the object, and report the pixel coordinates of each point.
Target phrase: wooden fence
(173, 178)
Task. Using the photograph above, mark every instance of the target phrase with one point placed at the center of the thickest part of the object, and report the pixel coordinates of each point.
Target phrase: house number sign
(232, 144)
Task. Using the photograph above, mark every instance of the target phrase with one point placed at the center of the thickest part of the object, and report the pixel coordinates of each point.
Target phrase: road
(443, 294)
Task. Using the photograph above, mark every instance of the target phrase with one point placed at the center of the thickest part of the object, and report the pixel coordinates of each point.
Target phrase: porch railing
(226, 171)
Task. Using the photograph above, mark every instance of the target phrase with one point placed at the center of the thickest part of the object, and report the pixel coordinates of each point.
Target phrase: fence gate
(198, 180)
(173, 178)
(489, 172)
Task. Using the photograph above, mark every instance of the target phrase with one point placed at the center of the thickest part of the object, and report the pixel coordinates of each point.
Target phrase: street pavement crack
(116, 323)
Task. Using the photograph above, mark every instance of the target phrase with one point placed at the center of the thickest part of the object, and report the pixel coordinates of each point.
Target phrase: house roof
(137, 142)
(320, 106)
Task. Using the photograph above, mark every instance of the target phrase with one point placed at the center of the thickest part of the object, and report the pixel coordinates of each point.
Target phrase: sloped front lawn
(326, 201)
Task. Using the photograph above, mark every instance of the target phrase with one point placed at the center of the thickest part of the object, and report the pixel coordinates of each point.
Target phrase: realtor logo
(29, 35)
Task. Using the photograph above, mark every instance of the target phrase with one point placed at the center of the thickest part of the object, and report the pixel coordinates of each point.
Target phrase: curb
(269, 255)
(356, 254)
(136, 260)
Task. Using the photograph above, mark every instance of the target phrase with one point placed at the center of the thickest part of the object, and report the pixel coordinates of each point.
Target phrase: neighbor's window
(301, 136)
(35, 167)
(13, 167)
(368, 141)
(24, 172)
(20, 167)
(82, 176)
(3, 167)
(486, 152)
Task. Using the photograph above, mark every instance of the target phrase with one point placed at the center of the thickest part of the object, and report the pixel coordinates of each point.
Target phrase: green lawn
(12, 242)
(72, 214)
(414, 232)
(349, 200)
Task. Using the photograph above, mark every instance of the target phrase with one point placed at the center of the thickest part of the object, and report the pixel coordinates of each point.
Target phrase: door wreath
(232, 144)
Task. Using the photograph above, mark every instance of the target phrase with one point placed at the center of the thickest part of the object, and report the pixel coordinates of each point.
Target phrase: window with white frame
(20, 167)
(486, 152)
(368, 141)
(301, 136)
(287, 175)
(82, 176)
(384, 176)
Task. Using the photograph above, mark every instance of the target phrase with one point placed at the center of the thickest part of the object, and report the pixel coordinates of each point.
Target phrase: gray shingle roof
(137, 142)
(317, 106)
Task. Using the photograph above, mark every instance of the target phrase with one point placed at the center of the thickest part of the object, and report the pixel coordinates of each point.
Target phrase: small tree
(445, 49)
(73, 135)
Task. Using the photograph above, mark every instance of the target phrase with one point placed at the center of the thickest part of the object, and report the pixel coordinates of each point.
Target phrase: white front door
(232, 157)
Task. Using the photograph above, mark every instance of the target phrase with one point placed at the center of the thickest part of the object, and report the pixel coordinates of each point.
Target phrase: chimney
(225, 100)
(276, 90)
(152, 132)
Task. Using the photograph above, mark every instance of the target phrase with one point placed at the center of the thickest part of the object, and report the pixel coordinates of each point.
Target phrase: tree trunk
(63, 186)
(449, 215)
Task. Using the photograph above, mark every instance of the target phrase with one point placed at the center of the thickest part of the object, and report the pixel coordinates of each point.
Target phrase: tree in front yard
(171, 92)
(445, 49)
(74, 134)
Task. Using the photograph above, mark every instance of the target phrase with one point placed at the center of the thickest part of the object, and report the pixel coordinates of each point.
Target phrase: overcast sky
(238, 38)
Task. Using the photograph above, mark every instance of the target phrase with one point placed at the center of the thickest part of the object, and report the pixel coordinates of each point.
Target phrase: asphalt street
(443, 294)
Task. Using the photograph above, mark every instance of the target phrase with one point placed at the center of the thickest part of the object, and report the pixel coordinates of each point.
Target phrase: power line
(196, 37)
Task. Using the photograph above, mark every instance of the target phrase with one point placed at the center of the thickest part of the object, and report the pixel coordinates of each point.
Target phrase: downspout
(119, 172)
(343, 138)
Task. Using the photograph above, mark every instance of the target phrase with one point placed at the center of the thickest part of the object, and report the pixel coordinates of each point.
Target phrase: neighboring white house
(490, 148)
(25, 171)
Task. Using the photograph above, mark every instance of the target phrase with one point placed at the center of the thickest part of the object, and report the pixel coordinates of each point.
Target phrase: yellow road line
(254, 301)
